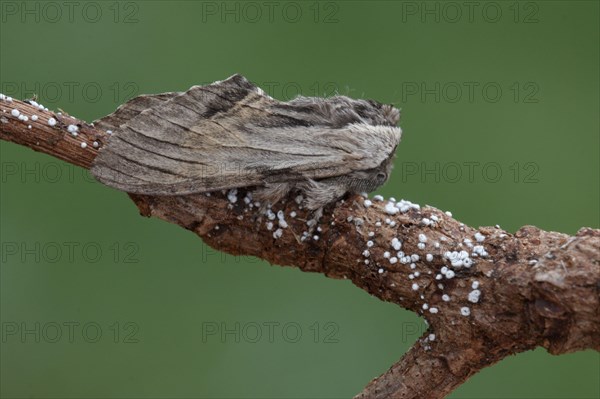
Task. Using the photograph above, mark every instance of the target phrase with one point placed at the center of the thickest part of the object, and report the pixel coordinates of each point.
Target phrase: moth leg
(318, 195)
(270, 194)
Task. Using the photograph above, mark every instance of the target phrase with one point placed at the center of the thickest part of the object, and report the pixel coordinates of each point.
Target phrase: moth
(230, 134)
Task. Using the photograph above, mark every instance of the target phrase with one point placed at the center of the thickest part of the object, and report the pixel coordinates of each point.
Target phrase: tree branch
(509, 294)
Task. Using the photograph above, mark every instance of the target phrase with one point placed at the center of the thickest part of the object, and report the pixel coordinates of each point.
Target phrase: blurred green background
(500, 117)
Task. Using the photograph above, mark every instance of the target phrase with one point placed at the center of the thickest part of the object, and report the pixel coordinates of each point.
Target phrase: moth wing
(230, 134)
(132, 108)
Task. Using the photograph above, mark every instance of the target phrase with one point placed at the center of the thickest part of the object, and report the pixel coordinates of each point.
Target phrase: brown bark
(537, 288)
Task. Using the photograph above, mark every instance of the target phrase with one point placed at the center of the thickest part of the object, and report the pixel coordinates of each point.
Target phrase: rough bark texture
(535, 288)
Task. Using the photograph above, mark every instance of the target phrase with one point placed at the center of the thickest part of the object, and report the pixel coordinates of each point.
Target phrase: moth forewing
(230, 134)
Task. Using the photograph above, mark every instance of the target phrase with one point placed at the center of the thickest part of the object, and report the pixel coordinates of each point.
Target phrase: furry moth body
(230, 134)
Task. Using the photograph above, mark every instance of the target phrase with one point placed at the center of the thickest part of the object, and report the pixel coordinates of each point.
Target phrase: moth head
(370, 179)
(385, 169)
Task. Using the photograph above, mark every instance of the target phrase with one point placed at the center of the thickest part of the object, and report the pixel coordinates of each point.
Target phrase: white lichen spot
(396, 244)
(425, 306)
(380, 271)
(277, 234)
(293, 214)
(413, 266)
(386, 254)
(109, 132)
(367, 203)
(73, 129)
(414, 257)
(378, 224)
(479, 250)
(316, 237)
(269, 226)
(83, 145)
(391, 209)
(450, 274)
(429, 257)
(446, 298)
(421, 245)
(378, 198)
(422, 238)
(475, 285)
(15, 113)
(431, 337)
(404, 206)
(366, 253)
(474, 296)
(415, 287)
(95, 144)
(457, 259)
(370, 244)
(51, 121)
(393, 260)
(433, 310)
(465, 311)
(232, 197)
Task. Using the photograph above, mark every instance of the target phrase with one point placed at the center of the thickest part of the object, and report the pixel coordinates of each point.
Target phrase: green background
(168, 284)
